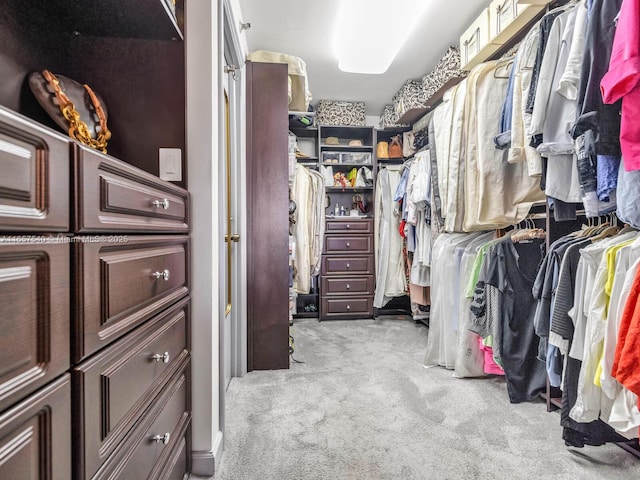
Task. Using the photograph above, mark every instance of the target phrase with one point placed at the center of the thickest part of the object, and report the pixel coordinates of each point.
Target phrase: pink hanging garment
(623, 81)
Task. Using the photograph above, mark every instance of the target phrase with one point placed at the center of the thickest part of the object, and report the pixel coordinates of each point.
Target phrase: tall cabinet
(267, 217)
(94, 249)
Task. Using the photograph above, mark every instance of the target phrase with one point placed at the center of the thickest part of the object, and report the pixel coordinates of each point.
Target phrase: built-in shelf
(148, 19)
(347, 148)
(347, 164)
(414, 114)
(349, 189)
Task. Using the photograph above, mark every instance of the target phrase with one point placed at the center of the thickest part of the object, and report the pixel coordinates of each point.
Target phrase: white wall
(203, 66)
(372, 121)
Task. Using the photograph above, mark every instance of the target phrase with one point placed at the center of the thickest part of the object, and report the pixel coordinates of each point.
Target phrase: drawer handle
(348, 265)
(161, 357)
(348, 226)
(348, 244)
(164, 203)
(348, 307)
(165, 274)
(348, 286)
(164, 439)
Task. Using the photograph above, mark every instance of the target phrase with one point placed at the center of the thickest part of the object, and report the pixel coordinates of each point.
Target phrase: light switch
(170, 164)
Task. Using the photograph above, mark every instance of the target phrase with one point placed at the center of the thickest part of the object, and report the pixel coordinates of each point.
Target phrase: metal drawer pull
(164, 203)
(161, 357)
(164, 439)
(348, 307)
(165, 274)
(348, 265)
(348, 226)
(348, 286)
(348, 244)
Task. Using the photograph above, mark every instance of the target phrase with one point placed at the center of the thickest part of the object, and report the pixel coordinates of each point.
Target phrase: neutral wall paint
(203, 66)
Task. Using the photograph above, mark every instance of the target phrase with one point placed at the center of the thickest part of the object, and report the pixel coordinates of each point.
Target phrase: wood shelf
(347, 164)
(349, 189)
(415, 114)
(149, 19)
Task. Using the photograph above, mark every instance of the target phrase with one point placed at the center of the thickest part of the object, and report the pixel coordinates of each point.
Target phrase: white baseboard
(205, 464)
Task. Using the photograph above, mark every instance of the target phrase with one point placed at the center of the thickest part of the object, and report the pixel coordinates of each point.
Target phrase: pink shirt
(623, 81)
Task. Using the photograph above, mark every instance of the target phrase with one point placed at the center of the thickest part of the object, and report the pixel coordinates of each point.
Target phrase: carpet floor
(361, 406)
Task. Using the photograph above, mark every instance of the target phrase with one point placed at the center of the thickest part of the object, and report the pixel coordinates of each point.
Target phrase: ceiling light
(370, 33)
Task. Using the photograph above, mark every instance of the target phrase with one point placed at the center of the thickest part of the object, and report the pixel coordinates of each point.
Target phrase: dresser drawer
(348, 244)
(121, 284)
(34, 176)
(119, 383)
(34, 315)
(36, 433)
(361, 307)
(339, 265)
(159, 433)
(349, 226)
(178, 462)
(115, 197)
(362, 285)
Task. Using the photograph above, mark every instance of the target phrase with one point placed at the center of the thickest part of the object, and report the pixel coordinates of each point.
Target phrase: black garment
(561, 322)
(593, 113)
(577, 434)
(544, 289)
(545, 28)
(587, 163)
(564, 212)
(512, 271)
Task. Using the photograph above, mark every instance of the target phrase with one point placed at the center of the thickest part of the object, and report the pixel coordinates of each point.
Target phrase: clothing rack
(553, 395)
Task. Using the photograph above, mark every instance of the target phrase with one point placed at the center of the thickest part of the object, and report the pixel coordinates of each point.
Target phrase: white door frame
(234, 58)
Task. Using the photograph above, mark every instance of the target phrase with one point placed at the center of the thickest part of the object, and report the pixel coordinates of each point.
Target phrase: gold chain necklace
(78, 130)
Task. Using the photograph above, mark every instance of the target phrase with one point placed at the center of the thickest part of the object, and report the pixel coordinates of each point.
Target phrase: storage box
(335, 158)
(508, 17)
(330, 157)
(389, 118)
(411, 95)
(475, 43)
(359, 158)
(340, 113)
(446, 69)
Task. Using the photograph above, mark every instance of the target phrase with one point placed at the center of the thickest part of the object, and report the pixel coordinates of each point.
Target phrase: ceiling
(304, 29)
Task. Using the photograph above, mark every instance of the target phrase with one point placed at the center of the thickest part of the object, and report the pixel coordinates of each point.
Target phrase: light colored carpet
(362, 407)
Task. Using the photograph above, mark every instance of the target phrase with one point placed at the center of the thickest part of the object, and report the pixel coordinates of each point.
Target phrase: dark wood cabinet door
(34, 315)
(34, 176)
(267, 217)
(112, 196)
(35, 435)
(119, 383)
(120, 284)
